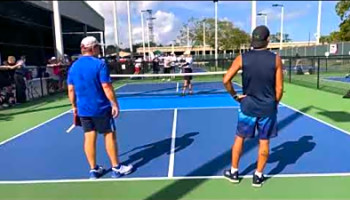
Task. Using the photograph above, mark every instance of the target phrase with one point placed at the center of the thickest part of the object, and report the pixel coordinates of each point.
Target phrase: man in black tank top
(262, 80)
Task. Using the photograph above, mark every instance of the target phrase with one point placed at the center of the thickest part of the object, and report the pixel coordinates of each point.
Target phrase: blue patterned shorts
(266, 126)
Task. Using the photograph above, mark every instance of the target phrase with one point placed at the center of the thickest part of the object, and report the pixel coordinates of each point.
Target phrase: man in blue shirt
(93, 100)
(262, 80)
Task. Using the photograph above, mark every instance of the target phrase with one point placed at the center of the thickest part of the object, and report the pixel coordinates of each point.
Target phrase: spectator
(19, 80)
(7, 97)
(155, 65)
(173, 61)
(167, 67)
(56, 66)
(138, 63)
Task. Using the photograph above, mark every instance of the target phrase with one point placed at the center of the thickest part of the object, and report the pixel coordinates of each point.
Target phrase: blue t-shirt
(87, 75)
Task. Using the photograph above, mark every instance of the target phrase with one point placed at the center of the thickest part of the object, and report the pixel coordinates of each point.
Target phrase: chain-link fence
(324, 73)
(319, 72)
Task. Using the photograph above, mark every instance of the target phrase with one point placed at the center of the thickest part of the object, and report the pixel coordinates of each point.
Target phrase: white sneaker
(169, 79)
(122, 170)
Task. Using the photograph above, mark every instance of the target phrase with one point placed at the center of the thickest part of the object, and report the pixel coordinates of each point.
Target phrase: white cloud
(166, 25)
(275, 13)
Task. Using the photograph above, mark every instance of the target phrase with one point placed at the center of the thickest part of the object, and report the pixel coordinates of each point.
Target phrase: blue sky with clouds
(300, 16)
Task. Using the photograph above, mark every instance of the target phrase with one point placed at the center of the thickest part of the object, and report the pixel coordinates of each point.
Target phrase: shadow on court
(338, 116)
(180, 188)
(146, 153)
(286, 154)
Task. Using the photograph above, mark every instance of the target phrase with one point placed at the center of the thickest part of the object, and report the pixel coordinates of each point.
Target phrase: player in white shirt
(167, 67)
(187, 68)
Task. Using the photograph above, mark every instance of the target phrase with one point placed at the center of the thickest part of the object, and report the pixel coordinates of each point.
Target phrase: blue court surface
(340, 79)
(169, 136)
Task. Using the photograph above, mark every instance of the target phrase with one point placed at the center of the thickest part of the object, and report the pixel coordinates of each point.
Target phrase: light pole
(282, 16)
(253, 24)
(143, 34)
(203, 37)
(129, 28)
(263, 15)
(216, 31)
(318, 34)
(115, 21)
(148, 33)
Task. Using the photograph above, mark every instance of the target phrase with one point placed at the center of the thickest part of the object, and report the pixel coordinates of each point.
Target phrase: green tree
(229, 36)
(111, 49)
(343, 11)
(277, 37)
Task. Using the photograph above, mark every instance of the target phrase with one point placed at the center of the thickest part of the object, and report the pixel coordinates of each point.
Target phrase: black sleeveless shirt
(259, 80)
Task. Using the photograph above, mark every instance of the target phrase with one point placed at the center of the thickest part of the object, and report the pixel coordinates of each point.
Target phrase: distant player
(187, 68)
(262, 80)
(167, 66)
(92, 96)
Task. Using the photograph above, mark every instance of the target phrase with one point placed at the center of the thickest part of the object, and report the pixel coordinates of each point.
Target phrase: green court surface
(325, 106)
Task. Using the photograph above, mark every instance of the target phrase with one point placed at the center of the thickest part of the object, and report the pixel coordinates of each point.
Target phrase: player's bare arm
(279, 78)
(235, 67)
(109, 91)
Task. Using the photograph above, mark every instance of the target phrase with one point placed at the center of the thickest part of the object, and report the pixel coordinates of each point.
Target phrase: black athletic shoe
(233, 178)
(257, 181)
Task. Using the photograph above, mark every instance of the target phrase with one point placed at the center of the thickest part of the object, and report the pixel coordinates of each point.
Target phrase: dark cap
(259, 37)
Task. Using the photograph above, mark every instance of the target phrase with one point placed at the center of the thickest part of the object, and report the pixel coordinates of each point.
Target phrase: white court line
(177, 87)
(35, 127)
(186, 108)
(172, 178)
(319, 120)
(41, 124)
(172, 147)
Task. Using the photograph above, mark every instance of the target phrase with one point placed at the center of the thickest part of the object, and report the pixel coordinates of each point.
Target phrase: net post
(318, 73)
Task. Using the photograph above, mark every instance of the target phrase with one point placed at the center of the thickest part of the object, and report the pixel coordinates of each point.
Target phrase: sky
(300, 17)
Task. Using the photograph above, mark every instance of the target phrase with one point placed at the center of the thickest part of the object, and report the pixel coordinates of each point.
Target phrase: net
(203, 83)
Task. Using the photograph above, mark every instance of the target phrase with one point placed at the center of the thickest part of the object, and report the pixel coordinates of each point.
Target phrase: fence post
(290, 70)
(318, 73)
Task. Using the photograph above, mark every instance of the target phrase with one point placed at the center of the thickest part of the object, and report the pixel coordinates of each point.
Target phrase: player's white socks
(233, 170)
(259, 174)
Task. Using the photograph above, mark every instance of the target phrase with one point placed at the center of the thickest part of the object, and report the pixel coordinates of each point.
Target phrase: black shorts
(187, 70)
(167, 70)
(98, 124)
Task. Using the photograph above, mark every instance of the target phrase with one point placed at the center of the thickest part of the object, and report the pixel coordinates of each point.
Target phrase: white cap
(89, 41)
